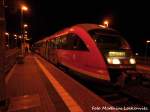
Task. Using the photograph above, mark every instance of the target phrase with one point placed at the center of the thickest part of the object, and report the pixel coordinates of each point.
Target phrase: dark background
(46, 17)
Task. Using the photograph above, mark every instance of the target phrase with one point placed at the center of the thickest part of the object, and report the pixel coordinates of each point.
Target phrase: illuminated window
(116, 54)
(75, 43)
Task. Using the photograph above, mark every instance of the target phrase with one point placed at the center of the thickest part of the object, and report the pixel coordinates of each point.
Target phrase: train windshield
(108, 40)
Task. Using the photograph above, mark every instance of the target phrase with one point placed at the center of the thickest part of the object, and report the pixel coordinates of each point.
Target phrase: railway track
(134, 95)
(124, 97)
(146, 78)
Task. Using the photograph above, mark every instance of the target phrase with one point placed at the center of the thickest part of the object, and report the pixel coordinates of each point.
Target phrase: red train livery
(91, 49)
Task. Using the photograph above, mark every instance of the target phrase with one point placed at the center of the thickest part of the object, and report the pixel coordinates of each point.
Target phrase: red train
(91, 49)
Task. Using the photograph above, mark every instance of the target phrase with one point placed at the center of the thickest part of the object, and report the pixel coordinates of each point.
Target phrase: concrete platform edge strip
(10, 74)
(68, 100)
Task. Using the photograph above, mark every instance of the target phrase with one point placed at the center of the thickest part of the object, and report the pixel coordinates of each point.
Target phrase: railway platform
(38, 86)
(144, 69)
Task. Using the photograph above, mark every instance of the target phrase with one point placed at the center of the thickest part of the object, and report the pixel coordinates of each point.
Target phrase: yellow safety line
(10, 74)
(68, 100)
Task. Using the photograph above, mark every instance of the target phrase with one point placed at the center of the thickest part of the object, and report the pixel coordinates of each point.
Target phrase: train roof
(85, 26)
(88, 26)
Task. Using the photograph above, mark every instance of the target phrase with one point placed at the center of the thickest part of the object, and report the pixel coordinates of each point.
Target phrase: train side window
(49, 44)
(70, 42)
(76, 43)
(46, 44)
(42, 44)
(52, 43)
(59, 43)
(55, 43)
(64, 42)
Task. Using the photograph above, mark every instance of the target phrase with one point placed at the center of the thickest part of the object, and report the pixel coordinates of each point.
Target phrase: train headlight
(132, 61)
(113, 61)
(109, 60)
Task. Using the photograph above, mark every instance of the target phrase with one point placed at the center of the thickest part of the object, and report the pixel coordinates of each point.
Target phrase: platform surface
(38, 86)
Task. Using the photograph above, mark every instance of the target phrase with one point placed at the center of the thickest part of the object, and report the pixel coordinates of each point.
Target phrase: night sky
(132, 19)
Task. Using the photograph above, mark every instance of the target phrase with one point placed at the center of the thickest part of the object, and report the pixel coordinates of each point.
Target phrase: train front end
(120, 64)
(117, 54)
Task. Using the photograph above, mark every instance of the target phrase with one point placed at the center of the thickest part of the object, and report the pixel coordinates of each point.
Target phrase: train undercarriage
(122, 77)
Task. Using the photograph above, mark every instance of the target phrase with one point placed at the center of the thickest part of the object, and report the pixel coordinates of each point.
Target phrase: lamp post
(7, 34)
(146, 50)
(24, 29)
(15, 37)
(23, 8)
(106, 23)
(25, 25)
(25, 36)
